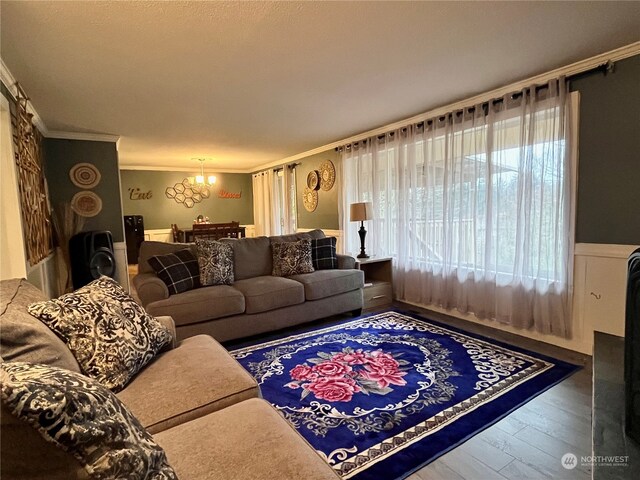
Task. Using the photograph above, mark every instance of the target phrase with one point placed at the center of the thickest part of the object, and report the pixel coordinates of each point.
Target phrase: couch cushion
(249, 440)
(266, 293)
(111, 336)
(312, 234)
(179, 271)
(24, 338)
(196, 378)
(293, 237)
(326, 283)
(199, 305)
(83, 418)
(251, 257)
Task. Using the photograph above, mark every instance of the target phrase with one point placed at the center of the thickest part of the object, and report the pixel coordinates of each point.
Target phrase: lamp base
(363, 233)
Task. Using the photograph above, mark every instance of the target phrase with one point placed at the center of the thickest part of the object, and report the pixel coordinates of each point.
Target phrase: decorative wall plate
(313, 180)
(310, 199)
(327, 175)
(84, 175)
(86, 204)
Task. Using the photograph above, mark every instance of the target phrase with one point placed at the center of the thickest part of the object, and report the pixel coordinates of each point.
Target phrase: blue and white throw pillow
(111, 336)
(323, 253)
(85, 419)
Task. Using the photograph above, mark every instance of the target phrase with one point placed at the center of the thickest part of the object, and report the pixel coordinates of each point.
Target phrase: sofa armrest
(168, 322)
(150, 288)
(346, 262)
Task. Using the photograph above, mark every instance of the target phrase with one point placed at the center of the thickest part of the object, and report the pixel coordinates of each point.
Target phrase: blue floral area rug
(381, 396)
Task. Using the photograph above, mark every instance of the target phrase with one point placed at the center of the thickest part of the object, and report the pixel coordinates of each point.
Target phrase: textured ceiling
(246, 83)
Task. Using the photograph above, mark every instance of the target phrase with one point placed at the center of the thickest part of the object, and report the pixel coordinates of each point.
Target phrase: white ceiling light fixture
(200, 179)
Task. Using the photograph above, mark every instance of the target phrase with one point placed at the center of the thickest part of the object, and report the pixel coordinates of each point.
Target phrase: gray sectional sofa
(196, 400)
(257, 302)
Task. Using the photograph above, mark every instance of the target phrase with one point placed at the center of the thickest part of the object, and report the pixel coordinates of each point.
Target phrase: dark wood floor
(529, 443)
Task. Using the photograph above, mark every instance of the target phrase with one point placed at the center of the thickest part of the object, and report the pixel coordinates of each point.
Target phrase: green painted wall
(61, 155)
(609, 156)
(326, 215)
(160, 212)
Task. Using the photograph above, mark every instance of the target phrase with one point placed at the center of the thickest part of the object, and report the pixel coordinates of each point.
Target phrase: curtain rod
(604, 68)
(291, 166)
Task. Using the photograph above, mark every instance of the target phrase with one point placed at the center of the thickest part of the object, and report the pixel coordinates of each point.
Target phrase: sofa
(257, 302)
(199, 404)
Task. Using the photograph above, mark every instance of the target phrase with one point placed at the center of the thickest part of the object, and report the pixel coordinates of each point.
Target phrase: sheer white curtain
(287, 209)
(265, 203)
(274, 202)
(476, 207)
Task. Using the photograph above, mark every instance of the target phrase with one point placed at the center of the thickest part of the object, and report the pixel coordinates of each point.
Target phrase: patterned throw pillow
(216, 262)
(292, 258)
(178, 270)
(85, 419)
(323, 253)
(111, 336)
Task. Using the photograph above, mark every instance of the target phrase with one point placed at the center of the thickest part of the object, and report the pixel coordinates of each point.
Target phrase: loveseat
(199, 404)
(257, 302)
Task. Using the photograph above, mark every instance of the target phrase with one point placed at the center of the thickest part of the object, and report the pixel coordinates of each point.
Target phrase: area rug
(383, 395)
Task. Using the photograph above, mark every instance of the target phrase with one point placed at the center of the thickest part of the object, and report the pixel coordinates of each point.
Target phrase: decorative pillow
(292, 258)
(323, 253)
(178, 270)
(85, 419)
(216, 262)
(111, 336)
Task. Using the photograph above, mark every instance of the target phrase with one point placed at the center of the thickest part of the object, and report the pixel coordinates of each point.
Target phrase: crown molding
(182, 169)
(615, 55)
(10, 82)
(91, 137)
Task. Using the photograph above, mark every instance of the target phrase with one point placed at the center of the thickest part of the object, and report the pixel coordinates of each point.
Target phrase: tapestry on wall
(383, 395)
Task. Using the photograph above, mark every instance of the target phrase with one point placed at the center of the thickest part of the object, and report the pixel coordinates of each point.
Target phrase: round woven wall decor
(84, 175)
(310, 199)
(327, 175)
(86, 204)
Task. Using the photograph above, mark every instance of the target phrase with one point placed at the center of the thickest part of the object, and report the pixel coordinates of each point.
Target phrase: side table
(378, 282)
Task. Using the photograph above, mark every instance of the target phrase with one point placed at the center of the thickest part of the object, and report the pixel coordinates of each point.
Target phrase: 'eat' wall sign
(137, 194)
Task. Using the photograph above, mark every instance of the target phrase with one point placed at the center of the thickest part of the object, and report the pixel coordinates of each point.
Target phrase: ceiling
(248, 83)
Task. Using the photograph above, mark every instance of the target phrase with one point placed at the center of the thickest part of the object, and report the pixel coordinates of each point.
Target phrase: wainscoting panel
(44, 275)
(160, 235)
(165, 235)
(122, 270)
(600, 286)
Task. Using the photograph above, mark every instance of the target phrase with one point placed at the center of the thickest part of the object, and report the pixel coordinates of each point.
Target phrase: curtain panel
(475, 207)
(265, 203)
(274, 202)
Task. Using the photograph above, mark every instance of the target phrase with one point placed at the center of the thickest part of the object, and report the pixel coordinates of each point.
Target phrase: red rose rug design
(337, 376)
(380, 396)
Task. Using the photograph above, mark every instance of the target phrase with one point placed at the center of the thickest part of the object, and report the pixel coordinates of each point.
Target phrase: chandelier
(200, 179)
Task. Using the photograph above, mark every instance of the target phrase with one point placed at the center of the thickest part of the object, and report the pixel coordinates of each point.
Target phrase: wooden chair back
(178, 235)
(215, 231)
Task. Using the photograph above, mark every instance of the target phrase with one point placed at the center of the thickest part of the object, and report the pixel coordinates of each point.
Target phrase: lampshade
(361, 211)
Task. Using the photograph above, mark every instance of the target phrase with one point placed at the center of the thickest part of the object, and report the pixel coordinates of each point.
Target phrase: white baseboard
(579, 342)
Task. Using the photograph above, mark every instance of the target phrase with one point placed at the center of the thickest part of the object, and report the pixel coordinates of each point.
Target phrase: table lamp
(359, 213)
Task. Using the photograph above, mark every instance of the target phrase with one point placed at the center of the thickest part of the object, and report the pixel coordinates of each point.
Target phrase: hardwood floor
(528, 443)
